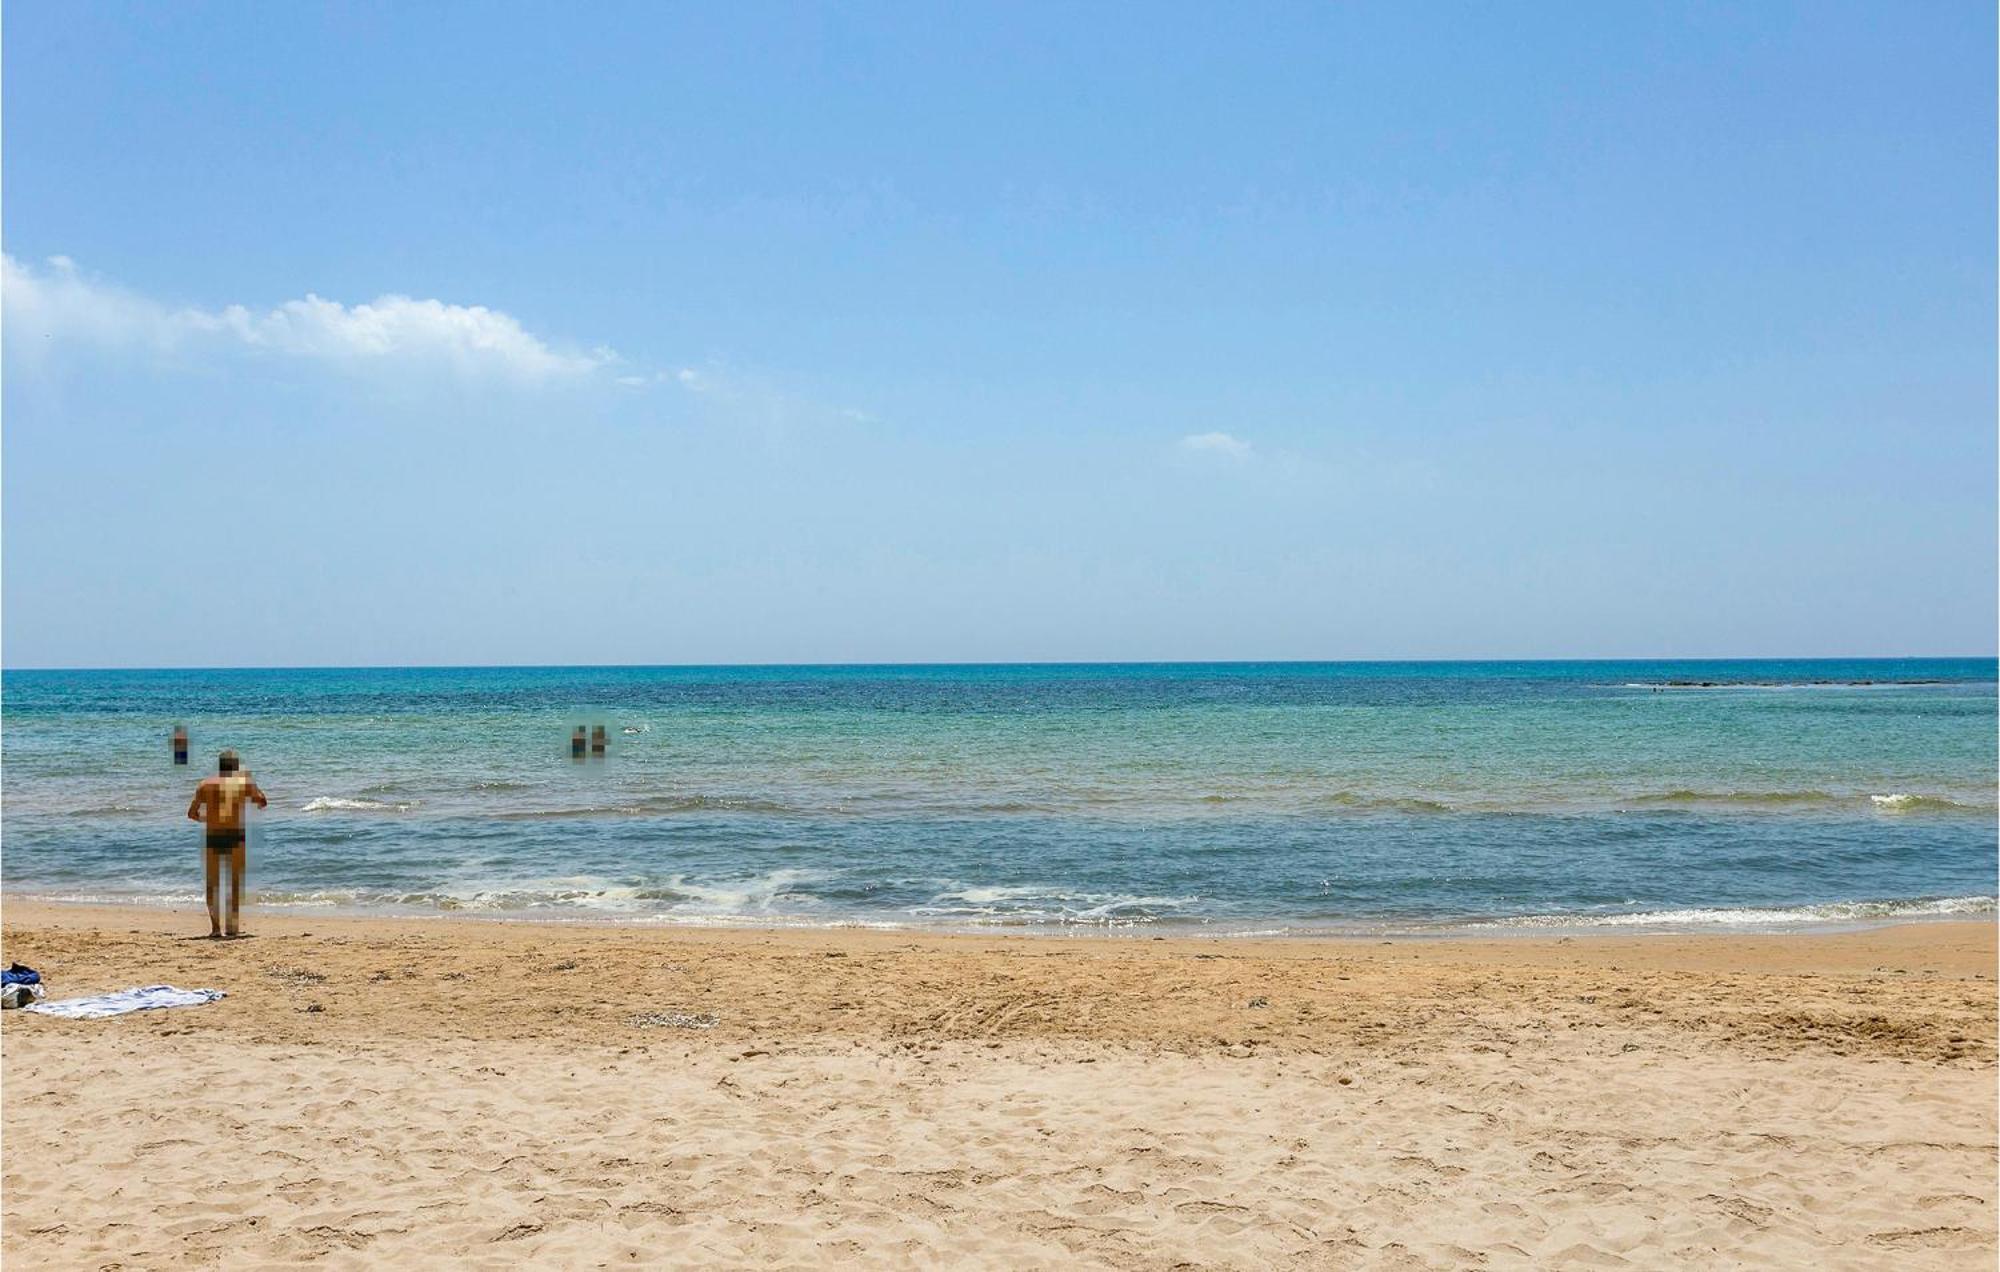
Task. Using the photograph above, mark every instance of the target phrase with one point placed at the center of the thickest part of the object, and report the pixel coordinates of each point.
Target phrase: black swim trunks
(225, 840)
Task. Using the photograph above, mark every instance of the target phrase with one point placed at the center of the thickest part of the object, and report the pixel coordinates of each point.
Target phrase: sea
(1184, 798)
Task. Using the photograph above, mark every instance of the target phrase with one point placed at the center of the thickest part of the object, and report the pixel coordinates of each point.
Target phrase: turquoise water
(1230, 797)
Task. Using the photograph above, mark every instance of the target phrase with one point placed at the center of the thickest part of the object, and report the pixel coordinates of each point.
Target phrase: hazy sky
(737, 333)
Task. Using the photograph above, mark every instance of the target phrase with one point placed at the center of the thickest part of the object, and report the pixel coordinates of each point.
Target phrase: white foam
(335, 804)
(756, 894)
(1903, 802)
(989, 896)
(1831, 912)
(1043, 904)
(1118, 907)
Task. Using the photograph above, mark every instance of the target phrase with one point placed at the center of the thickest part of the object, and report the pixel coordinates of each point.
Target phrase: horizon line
(1022, 662)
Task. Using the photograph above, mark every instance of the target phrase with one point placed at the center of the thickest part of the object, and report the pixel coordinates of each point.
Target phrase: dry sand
(446, 1093)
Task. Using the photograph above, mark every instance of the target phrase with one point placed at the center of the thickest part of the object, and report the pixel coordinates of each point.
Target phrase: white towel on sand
(101, 1005)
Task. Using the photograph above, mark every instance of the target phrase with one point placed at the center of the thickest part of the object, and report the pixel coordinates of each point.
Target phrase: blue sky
(741, 333)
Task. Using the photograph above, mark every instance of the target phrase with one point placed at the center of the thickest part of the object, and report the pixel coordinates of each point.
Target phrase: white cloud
(1216, 444)
(57, 303)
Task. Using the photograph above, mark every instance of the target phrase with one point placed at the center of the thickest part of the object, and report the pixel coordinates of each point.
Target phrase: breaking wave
(1923, 803)
(1799, 799)
(752, 896)
(335, 804)
(1829, 912)
(1042, 905)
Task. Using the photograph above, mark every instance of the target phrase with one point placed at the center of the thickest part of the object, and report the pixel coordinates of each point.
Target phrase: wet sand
(388, 1092)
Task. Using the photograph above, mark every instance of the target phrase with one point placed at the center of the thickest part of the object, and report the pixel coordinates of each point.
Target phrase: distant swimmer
(180, 744)
(218, 802)
(576, 743)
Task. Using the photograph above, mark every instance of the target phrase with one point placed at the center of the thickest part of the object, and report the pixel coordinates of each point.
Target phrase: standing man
(218, 802)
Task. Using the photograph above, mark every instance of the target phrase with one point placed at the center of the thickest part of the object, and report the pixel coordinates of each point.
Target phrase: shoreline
(376, 1092)
(1641, 924)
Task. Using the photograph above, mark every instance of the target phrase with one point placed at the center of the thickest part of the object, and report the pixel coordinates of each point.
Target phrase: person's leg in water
(238, 861)
(211, 862)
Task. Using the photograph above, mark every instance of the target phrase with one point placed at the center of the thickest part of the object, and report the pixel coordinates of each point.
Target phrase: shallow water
(1238, 797)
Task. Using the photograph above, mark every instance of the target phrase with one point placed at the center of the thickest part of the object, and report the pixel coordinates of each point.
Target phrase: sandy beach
(459, 1093)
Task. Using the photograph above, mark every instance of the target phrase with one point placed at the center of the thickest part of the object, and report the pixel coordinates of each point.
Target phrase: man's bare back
(219, 800)
(218, 803)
